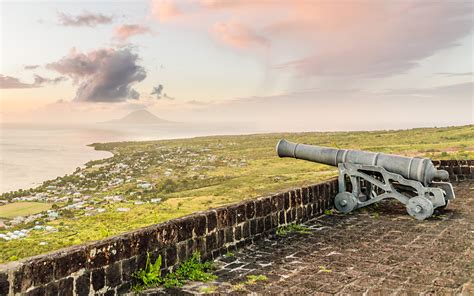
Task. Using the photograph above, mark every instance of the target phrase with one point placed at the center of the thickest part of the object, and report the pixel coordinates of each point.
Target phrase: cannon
(369, 177)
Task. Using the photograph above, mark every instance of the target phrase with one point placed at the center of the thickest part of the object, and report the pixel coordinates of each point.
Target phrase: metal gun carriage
(369, 177)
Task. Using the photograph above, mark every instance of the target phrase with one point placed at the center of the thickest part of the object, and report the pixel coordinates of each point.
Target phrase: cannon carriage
(369, 177)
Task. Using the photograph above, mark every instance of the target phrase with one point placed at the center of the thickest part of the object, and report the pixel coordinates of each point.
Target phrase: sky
(280, 65)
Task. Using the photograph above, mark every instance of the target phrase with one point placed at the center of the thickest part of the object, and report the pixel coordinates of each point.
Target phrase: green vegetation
(190, 270)
(284, 230)
(253, 279)
(188, 175)
(324, 269)
(23, 209)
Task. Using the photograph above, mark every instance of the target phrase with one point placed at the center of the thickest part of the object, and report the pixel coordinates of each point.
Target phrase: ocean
(31, 154)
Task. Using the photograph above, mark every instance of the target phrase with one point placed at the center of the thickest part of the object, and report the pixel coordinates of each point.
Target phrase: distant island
(139, 117)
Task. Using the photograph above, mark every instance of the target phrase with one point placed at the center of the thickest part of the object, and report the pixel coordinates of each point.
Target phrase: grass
(284, 230)
(190, 270)
(220, 170)
(12, 210)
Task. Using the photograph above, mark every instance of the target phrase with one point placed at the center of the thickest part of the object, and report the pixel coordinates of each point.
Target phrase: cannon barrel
(420, 169)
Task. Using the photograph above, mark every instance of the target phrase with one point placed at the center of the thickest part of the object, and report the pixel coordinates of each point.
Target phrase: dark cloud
(39, 80)
(104, 75)
(15, 83)
(158, 92)
(85, 19)
(31, 67)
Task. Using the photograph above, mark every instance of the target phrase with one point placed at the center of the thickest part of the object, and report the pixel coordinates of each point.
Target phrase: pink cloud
(238, 36)
(123, 32)
(366, 38)
(164, 10)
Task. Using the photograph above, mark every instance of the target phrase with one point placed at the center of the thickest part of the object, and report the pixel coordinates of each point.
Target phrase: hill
(139, 117)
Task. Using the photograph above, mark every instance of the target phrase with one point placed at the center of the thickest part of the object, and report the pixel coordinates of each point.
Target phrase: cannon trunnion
(368, 177)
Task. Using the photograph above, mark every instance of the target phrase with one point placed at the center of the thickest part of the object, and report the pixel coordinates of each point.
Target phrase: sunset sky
(330, 65)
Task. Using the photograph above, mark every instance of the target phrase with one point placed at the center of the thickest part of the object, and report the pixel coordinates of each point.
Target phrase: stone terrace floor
(379, 250)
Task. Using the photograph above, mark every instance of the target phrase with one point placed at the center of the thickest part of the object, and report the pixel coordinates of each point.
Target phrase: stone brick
(129, 266)
(274, 220)
(168, 233)
(304, 195)
(287, 202)
(281, 218)
(200, 225)
(113, 275)
(250, 209)
(66, 287)
(109, 293)
(267, 222)
(246, 229)
(211, 242)
(292, 198)
(52, 289)
(98, 279)
(182, 250)
(211, 220)
(231, 215)
(69, 262)
(200, 245)
(124, 288)
(22, 279)
(83, 284)
(258, 208)
(221, 218)
(240, 213)
(229, 235)
(185, 228)
(39, 291)
(220, 238)
(238, 232)
(299, 213)
(171, 255)
(267, 206)
(4, 284)
(260, 225)
(253, 227)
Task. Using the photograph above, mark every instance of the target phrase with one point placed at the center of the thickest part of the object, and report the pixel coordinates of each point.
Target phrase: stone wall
(105, 267)
(459, 170)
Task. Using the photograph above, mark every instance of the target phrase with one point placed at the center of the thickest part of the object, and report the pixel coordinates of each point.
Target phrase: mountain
(139, 117)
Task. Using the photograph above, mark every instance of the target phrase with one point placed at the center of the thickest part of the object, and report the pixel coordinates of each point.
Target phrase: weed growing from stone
(284, 230)
(328, 212)
(208, 289)
(324, 269)
(229, 254)
(253, 279)
(192, 269)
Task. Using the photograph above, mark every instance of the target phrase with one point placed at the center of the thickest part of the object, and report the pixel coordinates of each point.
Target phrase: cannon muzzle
(420, 169)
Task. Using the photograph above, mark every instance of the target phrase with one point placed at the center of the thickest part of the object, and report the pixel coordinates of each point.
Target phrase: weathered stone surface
(113, 275)
(66, 286)
(129, 266)
(200, 225)
(70, 261)
(22, 279)
(83, 284)
(98, 279)
(211, 218)
(52, 289)
(4, 284)
(407, 257)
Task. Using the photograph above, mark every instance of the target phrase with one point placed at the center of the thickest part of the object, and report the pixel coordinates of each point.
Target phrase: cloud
(39, 80)
(324, 38)
(8, 82)
(85, 19)
(158, 92)
(237, 35)
(123, 32)
(31, 67)
(164, 10)
(103, 75)
(449, 74)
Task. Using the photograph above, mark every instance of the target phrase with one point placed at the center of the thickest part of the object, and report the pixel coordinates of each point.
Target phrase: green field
(189, 175)
(22, 209)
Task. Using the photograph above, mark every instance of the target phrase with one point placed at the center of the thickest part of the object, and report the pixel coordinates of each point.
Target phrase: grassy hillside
(188, 175)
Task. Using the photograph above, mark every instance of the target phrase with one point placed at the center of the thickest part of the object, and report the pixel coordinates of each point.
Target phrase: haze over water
(31, 154)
